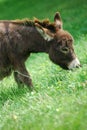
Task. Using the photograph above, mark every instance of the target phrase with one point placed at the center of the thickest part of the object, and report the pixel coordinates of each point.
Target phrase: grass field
(60, 102)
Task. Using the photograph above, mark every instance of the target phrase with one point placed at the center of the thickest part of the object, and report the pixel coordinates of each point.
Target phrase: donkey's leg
(4, 72)
(22, 76)
(17, 79)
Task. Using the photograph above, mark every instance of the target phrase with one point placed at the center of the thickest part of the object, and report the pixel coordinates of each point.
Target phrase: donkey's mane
(27, 22)
(44, 23)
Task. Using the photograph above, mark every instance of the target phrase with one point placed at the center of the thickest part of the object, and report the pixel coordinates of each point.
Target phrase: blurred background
(73, 12)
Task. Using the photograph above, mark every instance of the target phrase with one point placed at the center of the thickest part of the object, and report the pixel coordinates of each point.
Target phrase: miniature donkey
(19, 38)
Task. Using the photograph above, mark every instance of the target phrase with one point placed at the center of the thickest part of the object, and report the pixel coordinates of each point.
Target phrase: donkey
(20, 38)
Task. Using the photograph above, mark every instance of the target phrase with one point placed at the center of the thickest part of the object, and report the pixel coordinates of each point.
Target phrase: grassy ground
(60, 102)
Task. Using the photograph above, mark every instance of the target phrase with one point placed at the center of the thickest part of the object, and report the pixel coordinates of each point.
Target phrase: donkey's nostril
(77, 66)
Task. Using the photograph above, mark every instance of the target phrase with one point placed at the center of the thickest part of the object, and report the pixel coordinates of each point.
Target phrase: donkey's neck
(35, 41)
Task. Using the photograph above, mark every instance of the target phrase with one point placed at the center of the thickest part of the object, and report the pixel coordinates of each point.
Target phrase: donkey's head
(61, 49)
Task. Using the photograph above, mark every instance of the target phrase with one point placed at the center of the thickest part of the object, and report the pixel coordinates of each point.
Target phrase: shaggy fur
(20, 38)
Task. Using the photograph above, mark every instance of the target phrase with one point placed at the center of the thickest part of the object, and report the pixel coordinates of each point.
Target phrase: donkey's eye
(65, 50)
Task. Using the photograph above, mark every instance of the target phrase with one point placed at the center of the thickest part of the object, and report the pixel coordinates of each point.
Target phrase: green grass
(60, 102)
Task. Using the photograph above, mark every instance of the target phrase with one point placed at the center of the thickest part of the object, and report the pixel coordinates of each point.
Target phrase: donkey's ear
(45, 33)
(58, 20)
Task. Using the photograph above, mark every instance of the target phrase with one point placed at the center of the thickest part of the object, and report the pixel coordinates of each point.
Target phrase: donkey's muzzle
(74, 64)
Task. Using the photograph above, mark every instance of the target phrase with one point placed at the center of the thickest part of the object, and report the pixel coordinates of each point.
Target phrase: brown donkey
(19, 38)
